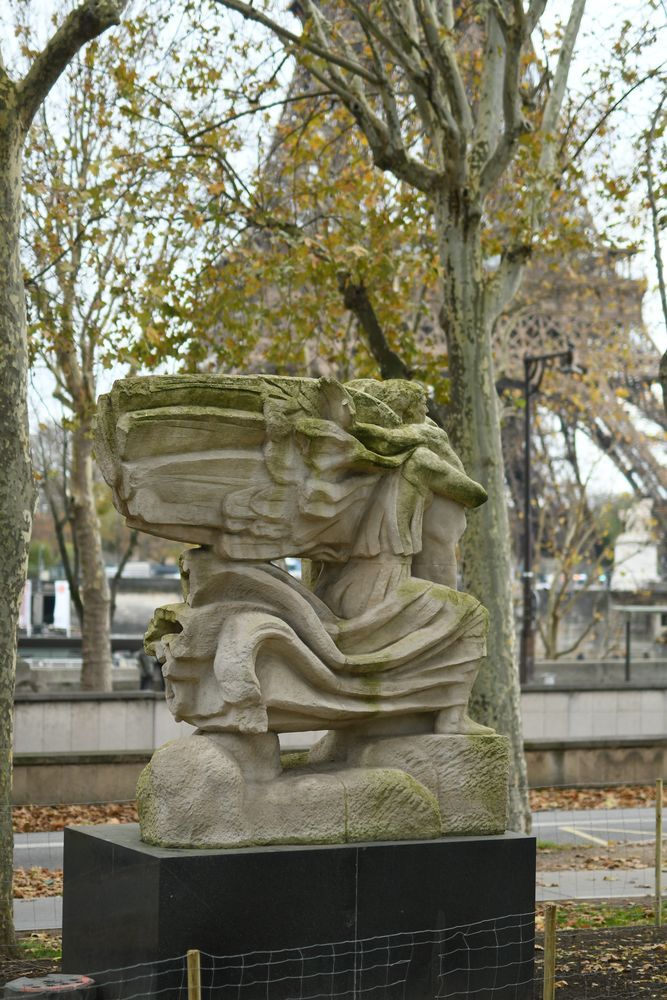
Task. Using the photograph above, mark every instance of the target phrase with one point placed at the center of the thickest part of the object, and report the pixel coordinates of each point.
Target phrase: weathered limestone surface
(466, 774)
(376, 644)
(204, 792)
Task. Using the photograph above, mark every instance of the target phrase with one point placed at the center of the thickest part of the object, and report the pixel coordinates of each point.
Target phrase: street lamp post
(534, 366)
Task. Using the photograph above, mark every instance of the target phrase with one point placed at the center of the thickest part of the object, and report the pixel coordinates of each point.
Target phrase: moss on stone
(146, 807)
(388, 804)
(165, 621)
(293, 759)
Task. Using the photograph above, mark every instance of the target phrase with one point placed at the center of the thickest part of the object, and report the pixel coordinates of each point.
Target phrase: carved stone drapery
(379, 647)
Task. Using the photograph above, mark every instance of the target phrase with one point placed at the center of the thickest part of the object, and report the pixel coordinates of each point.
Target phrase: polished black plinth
(410, 920)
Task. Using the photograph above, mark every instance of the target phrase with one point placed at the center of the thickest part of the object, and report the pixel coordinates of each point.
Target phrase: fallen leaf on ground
(39, 819)
(31, 883)
(616, 797)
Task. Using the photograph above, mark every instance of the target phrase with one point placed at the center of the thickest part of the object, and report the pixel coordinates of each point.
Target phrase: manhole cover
(53, 985)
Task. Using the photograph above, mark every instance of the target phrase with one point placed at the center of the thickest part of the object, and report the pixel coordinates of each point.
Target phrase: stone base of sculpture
(449, 917)
(224, 790)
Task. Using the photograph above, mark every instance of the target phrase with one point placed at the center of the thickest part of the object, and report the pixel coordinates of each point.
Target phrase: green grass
(604, 914)
(40, 946)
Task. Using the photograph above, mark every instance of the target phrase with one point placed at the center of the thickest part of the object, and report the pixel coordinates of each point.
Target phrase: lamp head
(568, 365)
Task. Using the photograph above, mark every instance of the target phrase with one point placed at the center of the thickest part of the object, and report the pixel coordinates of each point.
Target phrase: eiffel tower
(588, 300)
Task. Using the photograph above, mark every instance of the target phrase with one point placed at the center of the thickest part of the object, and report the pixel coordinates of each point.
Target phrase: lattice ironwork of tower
(588, 302)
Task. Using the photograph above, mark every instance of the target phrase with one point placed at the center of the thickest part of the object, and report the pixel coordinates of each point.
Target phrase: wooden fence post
(549, 991)
(658, 853)
(194, 975)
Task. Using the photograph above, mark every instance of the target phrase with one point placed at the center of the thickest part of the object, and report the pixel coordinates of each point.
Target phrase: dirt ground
(602, 797)
(11, 969)
(611, 963)
(619, 963)
(32, 961)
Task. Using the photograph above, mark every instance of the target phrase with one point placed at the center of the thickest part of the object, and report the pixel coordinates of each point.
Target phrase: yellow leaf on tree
(152, 334)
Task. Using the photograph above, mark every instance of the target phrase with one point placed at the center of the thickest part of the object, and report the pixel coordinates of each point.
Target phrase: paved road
(600, 883)
(594, 826)
(38, 914)
(41, 850)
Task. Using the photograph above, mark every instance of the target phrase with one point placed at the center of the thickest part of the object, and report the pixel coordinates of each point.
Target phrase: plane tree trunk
(94, 586)
(19, 102)
(16, 482)
(475, 432)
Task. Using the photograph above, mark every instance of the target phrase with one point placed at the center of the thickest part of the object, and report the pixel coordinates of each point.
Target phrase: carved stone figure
(376, 645)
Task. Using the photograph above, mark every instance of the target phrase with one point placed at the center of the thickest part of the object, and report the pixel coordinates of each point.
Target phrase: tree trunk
(475, 433)
(115, 580)
(95, 596)
(16, 482)
(553, 628)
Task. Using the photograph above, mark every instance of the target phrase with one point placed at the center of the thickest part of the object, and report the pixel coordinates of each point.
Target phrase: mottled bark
(475, 432)
(94, 586)
(19, 102)
(16, 482)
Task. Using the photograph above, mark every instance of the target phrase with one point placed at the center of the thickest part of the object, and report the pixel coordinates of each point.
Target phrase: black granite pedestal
(411, 920)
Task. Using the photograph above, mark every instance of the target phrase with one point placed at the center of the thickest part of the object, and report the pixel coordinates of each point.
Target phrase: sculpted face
(406, 399)
(412, 407)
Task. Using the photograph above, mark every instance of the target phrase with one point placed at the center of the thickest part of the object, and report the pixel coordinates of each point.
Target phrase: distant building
(636, 550)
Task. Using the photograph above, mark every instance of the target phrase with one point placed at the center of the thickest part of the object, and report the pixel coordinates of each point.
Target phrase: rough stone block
(388, 804)
(468, 775)
(196, 793)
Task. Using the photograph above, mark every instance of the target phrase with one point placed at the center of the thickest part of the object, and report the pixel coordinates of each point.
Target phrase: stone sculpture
(376, 645)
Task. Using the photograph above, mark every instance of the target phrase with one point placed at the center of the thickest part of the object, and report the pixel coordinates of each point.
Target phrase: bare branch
(356, 299)
(432, 102)
(514, 37)
(34, 278)
(385, 141)
(255, 109)
(597, 125)
(653, 207)
(535, 10)
(502, 286)
(444, 54)
(4, 76)
(88, 21)
(301, 42)
(371, 25)
(555, 99)
(487, 130)
(116, 578)
(577, 642)
(386, 91)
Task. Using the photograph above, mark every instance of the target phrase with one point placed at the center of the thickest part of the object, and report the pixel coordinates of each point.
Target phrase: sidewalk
(595, 883)
(41, 914)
